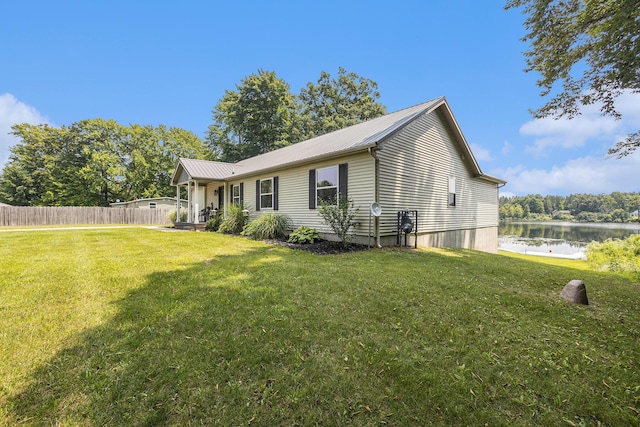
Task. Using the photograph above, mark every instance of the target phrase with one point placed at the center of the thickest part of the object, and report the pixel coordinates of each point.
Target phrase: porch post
(178, 204)
(196, 218)
(189, 217)
(226, 197)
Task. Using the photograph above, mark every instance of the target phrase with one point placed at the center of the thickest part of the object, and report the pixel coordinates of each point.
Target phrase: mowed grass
(139, 327)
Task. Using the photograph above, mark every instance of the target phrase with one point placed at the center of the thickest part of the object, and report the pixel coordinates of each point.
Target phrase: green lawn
(141, 327)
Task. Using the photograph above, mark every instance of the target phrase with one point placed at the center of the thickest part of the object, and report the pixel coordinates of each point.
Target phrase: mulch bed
(321, 247)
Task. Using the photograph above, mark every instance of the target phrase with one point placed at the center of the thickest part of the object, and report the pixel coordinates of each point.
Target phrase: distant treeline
(614, 207)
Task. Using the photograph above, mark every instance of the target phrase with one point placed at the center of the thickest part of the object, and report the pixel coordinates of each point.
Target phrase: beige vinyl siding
(184, 176)
(293, 191)
(415, 167)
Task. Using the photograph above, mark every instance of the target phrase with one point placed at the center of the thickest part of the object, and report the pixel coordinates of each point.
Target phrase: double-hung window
(266, 193)
(236, 194)
(327, 185)
(452, 192)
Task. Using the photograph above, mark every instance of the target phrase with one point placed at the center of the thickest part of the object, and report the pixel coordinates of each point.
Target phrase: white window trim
(266, 194)
(451, 194)
(233, 194)
(337, 186)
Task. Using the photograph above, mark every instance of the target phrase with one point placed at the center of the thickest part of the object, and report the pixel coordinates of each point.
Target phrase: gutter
(308, 160)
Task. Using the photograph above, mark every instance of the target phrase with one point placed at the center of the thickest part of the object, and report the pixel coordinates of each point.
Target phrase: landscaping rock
(576, 292)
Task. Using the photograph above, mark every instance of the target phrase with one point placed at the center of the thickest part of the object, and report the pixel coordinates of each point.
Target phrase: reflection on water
(567, 239)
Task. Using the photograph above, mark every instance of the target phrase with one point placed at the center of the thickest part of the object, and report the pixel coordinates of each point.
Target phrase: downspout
(376, 194)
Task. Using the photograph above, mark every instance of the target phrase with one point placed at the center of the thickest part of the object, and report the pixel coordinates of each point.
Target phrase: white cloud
(480, 153)
(590, 125)
(591, 175)
(12, 112)
(506, 148)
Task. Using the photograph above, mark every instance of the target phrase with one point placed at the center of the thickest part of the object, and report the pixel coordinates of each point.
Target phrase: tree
(535, 203)
(340, 217)
(26, 178)
(149, 156)
(333, 104)
(262, 114)
(259, 116)
(598, 38)
(93, 163)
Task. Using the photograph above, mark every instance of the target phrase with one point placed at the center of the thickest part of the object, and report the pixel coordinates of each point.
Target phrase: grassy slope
(139, 327)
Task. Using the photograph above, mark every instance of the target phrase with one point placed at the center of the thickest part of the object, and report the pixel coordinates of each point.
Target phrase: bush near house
(235, 219)
(304, 235)
(171, 216)
(268, 226)
(213, 224)
(340, 217)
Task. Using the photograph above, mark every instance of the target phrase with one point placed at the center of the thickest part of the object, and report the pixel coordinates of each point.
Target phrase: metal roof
(359, 136)
(353, 138)
(203, 169)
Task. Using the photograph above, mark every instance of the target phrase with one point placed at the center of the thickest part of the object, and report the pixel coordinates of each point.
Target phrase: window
(452, 191)
(236, 199)
(153, 205)
(266, 193)
(327, 185)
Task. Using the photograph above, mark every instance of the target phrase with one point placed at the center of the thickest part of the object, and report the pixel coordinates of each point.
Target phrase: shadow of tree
(271, 338)
(188, 347)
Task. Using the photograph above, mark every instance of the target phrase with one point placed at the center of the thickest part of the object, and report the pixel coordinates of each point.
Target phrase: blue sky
(169, 63)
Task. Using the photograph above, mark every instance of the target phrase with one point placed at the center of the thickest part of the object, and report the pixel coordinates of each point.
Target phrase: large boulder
(576, 292)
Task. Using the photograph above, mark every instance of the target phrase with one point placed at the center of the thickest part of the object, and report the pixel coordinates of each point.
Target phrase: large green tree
(27, 176)
(262, 114)
(93, 163)
(257, 117)
(587, 52)
(335, 103)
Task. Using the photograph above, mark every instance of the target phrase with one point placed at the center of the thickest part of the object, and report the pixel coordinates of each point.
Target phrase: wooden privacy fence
(55, 215)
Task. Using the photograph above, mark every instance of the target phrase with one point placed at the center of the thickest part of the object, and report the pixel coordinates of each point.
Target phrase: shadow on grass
(172, 354)
(252, 338)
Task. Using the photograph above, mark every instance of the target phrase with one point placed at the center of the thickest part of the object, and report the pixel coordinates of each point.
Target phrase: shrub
(563, 217)
(615, 255)
(268, 226)
(304, 235)
(340, 218)
(214, 222)
(171, 216)
(234, 220)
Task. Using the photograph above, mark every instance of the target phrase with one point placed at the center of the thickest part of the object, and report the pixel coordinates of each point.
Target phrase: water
(558, 239)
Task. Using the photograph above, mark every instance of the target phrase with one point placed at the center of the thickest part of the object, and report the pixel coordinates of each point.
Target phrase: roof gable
(202, 169)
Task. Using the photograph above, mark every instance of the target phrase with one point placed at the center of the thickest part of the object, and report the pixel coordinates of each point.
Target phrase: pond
(558, 239)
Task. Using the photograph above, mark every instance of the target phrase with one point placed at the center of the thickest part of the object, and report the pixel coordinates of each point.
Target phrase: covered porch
(206, 190)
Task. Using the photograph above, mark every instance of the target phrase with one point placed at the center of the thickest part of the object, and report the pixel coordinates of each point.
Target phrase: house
(634, 214)
(168, 203)
(413, 159)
